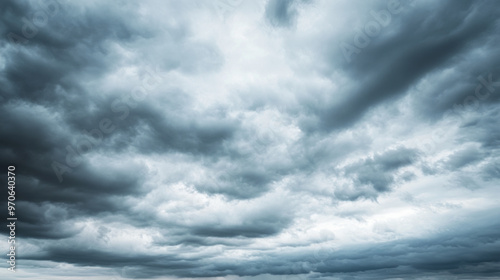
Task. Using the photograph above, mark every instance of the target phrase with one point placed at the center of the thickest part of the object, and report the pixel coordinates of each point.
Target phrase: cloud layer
(253, 140)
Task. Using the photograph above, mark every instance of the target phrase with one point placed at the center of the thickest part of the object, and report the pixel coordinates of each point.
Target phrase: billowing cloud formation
(252, 140)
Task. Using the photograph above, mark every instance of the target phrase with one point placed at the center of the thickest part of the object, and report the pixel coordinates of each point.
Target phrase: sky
(246, 140)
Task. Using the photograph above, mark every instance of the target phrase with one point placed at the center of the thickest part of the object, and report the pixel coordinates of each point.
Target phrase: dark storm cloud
(64, 51)
(483, 129)
(85, 257)
(88, 192)
(41, 91)
(259, 225)
(470, 87)
(464, 157)
(462, 251)
(491, 171)
(377, 171)
(47, 71)
(282, 13)
(45, 221)
(243, 182)
(46, 111)
(423, 41)
(32, 139)
(191, 241)
(260, 230)
(151, 128)
(175, 131)
(459, 252)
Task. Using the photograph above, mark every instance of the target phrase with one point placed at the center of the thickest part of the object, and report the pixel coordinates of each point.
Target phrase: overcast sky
(243, 139)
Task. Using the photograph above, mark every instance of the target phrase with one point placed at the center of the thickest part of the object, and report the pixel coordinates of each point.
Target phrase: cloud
(157, 139)
(464, 157)
(282, 13)
(377, 171)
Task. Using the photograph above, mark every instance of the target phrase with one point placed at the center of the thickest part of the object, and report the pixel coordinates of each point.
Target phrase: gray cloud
(156, 139)
(457, 252)
(378, 171)
(283, 13)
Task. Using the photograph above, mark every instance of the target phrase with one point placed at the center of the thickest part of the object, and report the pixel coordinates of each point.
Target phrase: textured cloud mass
(252, 139)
